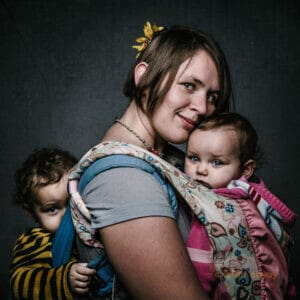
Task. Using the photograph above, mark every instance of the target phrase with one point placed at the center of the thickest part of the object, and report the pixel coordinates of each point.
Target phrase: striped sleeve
(32, 275)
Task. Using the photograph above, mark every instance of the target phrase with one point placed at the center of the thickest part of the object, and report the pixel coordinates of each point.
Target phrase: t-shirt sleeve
(122, 194)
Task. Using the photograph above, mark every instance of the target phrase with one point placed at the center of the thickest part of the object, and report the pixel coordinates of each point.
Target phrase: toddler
(41, 190)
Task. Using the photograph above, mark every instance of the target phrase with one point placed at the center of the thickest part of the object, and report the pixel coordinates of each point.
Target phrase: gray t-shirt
(122, 194)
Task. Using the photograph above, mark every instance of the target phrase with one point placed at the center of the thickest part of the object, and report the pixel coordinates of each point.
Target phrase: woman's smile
(188, 123)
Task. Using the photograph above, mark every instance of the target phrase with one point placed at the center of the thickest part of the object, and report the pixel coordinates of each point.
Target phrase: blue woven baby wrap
(64, 237)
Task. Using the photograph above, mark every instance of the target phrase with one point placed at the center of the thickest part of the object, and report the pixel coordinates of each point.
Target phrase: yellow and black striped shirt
(32, 275)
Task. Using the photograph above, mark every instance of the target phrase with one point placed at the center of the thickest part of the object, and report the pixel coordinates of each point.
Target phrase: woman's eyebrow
(191, 78)
(200, 82)
(195, 79)
(215, 91)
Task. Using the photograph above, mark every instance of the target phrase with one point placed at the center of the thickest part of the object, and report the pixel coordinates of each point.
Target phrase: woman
(180, 76)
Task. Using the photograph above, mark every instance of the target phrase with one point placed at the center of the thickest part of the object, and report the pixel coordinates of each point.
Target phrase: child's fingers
(82, 278)
(79, 272)
(82, 269)
(81, 290)
(79, 284)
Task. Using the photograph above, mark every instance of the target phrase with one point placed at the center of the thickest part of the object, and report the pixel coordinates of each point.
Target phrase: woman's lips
(187, 122)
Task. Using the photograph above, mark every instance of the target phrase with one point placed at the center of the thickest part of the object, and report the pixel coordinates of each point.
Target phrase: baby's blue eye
(194, 158)
(217, 163)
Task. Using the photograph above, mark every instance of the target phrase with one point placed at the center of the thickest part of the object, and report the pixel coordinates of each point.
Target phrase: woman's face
(193, 95)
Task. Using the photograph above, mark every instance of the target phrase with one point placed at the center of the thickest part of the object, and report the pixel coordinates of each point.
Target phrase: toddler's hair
(248, 138)
(42, 167)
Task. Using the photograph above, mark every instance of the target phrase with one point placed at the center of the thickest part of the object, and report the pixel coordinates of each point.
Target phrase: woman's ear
(139, 71)
(249, 168)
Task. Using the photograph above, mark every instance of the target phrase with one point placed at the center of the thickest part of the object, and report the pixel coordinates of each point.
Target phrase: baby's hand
(80, 277)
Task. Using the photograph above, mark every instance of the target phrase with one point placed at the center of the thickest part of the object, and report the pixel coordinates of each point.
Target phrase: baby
(41, 190)
(221, 149)
(222, 154)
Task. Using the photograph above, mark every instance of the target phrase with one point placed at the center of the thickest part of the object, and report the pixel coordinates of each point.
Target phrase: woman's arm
(151, 260)
(131, 211)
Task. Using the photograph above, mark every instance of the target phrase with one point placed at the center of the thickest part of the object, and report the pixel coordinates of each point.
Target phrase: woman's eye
(217, 163)
(213, 98)
(189, 86)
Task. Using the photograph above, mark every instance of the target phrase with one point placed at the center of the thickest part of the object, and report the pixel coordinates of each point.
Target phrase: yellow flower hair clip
(144, 41)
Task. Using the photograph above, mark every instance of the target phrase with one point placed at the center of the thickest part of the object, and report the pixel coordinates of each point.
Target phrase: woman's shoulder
(125, 193)
(123, 179)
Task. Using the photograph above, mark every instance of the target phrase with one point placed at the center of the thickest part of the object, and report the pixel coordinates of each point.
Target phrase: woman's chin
(179, 138)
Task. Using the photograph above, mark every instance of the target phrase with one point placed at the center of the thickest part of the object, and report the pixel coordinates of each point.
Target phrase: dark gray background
(63, 64)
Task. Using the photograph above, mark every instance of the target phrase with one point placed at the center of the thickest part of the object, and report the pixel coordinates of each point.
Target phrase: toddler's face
(51, 204)
(213, 157)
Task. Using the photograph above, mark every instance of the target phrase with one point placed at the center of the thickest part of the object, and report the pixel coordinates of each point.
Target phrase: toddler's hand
(80, 277)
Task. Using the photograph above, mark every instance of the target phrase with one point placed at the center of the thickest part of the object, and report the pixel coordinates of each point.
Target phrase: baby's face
(50, 205)
(212, 157)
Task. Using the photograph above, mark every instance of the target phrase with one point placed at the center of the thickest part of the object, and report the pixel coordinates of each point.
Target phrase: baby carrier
(237, 278)
(63, 239)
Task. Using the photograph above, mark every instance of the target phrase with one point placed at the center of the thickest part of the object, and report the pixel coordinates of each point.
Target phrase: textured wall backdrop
(63, 64)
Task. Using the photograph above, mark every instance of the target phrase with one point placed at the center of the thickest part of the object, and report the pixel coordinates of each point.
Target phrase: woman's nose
(199, 104)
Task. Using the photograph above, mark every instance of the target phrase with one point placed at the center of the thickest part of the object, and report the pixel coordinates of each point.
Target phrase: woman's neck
(134, 127)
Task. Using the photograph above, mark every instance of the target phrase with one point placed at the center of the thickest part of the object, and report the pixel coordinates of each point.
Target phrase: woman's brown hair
(166, 52)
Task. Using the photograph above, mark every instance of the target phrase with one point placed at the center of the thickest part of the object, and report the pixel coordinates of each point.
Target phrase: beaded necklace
(148, 147)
